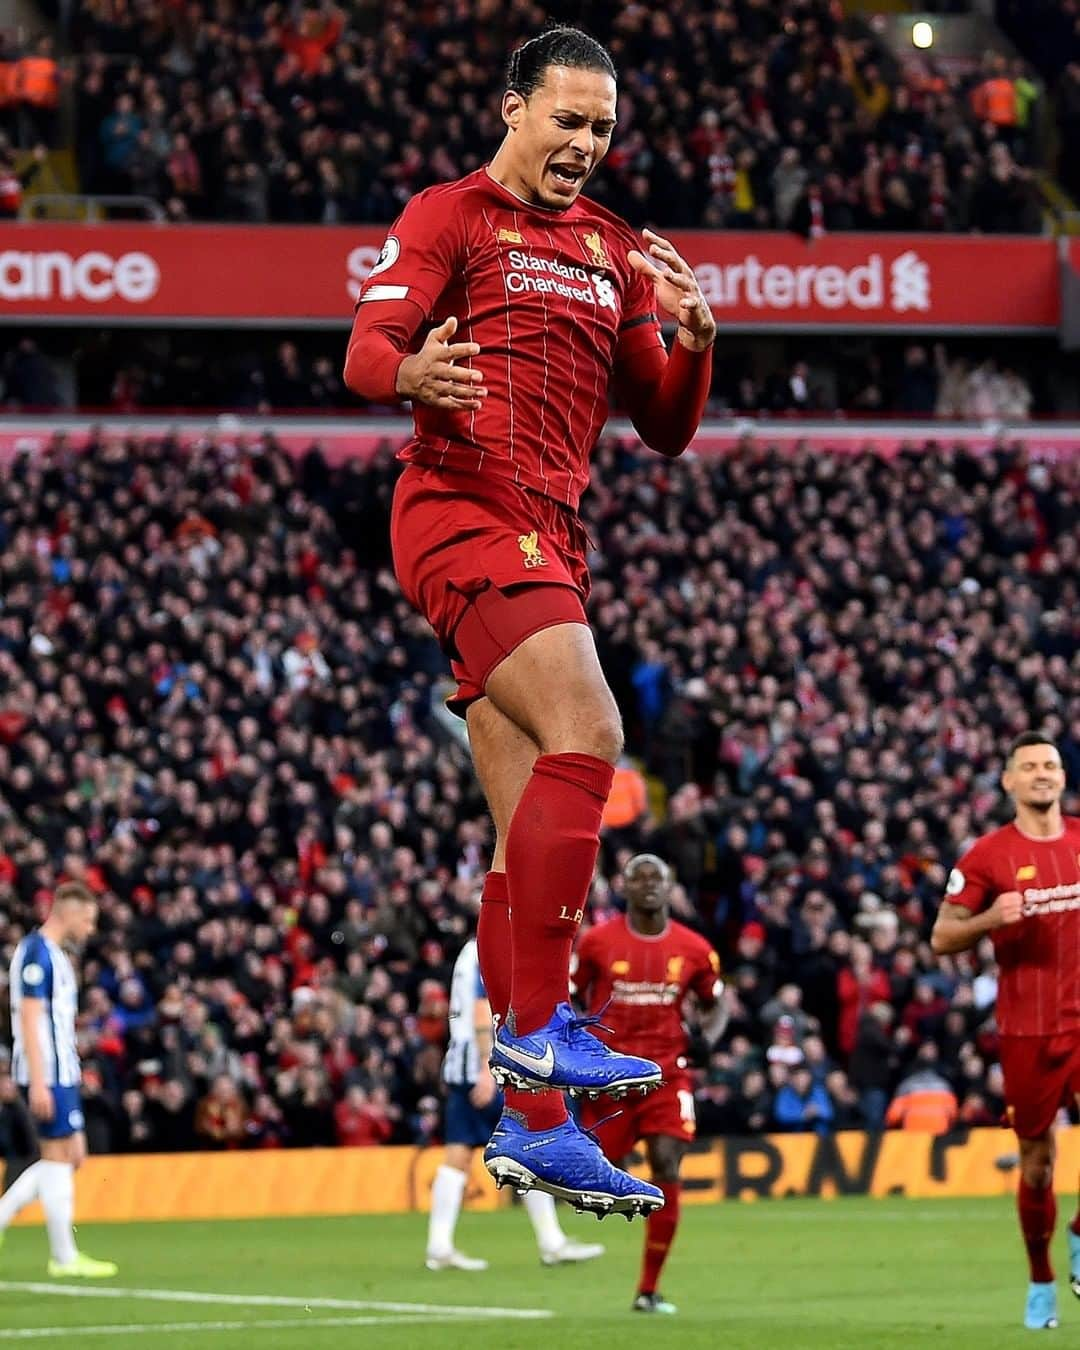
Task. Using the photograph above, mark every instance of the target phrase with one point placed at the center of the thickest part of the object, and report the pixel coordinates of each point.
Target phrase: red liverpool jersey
(553, 304)
(1039, 957)
(646, 980)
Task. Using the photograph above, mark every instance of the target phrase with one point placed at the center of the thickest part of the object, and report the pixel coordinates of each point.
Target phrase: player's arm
(31, 1012)
(484, 1089)
(665, 394)
(398, 298)
(967, 912)
(956, 928)
(708, 987)
(583, 969)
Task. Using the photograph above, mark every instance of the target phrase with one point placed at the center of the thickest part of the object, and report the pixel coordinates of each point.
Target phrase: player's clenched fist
(677, 291)
(1007, 908)
(41, 1102)
(431, 377)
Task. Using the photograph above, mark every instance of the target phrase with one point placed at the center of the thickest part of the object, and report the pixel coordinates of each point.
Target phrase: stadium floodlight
(922, 34)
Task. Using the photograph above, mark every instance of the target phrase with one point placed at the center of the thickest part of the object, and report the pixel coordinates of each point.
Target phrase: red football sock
(538, 1110)
(660, 1229)
(551, 851)
(1038, 1215)
(493, 942)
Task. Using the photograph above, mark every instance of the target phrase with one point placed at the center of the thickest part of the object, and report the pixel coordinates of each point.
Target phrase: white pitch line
(266, 1300)
(143, 1328)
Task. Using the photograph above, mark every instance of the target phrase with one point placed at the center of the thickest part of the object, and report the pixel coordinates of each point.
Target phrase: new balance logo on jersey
(541, 1065)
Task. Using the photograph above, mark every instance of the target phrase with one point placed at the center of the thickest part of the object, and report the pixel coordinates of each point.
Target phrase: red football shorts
(668, 1111)
(1042, 1074)
(488, 564)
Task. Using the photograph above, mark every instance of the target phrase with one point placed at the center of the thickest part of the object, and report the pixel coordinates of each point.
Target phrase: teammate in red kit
(639, 969)
(1021, 885)
(505, 306)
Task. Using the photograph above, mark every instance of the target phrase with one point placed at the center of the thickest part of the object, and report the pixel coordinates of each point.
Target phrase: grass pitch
(783, 1274)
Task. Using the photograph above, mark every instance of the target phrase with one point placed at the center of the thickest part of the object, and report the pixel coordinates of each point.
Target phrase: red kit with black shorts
(644, 982)
(1038, 1007)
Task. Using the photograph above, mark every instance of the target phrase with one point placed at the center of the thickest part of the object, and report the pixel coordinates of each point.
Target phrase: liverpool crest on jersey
(594, 245)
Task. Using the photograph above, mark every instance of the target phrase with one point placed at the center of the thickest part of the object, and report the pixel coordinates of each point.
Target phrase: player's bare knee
(1037, 1163)
(459, 1157)
(605, 739)
(589, 727)
(665, 1159)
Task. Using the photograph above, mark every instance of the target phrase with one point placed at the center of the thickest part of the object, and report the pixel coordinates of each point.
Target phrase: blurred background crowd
(216, 708)
(976, 379)
(753, 114)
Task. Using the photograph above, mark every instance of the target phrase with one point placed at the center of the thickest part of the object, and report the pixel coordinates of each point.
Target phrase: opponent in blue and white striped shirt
(473, 1107)
(45, 1064)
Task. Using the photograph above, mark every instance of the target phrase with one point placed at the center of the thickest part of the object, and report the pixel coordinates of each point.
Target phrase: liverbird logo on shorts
(530, 550)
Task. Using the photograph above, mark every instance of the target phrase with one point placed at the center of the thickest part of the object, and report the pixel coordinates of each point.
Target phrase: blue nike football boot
(1074, 1261)
(568, 1163)
(564, 1054)
(1040, 1310)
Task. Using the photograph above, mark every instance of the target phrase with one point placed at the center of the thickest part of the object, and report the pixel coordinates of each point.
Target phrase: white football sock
(57, 1192)
(545, 1221)
(22, 1191)
(447, 1192)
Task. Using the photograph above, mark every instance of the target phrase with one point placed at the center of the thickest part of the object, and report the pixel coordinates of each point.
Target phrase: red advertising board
(310, 274)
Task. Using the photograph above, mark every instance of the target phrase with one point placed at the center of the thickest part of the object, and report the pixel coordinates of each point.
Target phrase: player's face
(1035, 777)
(647, 889)
(561, 133)
(81, 923)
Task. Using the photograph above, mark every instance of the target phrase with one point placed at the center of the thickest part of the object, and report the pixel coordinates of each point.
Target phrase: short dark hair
(556, 47)
(1029, 738)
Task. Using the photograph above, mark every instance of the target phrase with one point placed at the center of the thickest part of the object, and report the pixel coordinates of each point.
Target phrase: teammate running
(505, 306)
(473, 1106)
(640, 968)
(45, 1064)
(1021, 885)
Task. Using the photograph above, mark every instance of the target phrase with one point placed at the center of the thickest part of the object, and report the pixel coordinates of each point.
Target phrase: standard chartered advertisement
(234, 274)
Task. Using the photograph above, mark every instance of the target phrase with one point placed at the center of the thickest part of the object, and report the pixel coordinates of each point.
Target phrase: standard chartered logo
(548, 276)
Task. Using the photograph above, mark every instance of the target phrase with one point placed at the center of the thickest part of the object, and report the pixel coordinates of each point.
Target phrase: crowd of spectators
(111, 370)
(1048, 33)
(217, 709)
(742, 113)
(31, 80)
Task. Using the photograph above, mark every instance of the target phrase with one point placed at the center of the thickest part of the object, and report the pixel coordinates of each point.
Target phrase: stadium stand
(228, 723)
(124, 373)
(744, 113)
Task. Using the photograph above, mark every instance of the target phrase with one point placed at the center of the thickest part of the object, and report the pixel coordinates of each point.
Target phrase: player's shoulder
(446, 201)
(603, 932)
(1072, 826)
(35, 947)
(603, 215)
(691, 941)
(468, 954)
(991, 844)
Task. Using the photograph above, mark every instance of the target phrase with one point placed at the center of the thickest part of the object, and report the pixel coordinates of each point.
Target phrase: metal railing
(89, 207)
